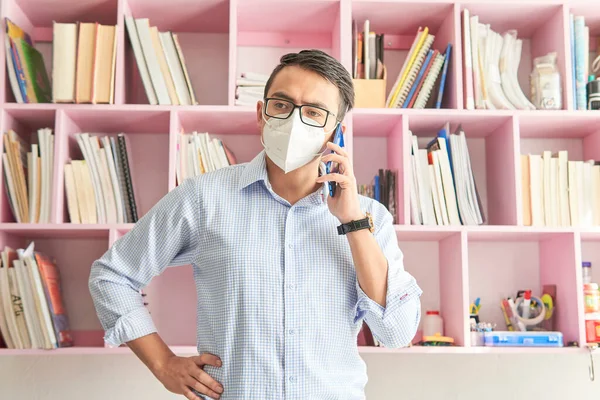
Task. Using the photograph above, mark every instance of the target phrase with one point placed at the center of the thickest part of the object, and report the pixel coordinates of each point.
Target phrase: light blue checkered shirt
(278, 298)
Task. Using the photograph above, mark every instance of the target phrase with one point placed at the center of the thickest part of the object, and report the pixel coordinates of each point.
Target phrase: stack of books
(250, 88)
(559, 192)
(25, 65)
(368, 53)
(442, 186)
(383, 189)
(161, 64)
(32, 313)
(198, 154)
(423, 73)
(491, 62)
(83, 62)
(99, 188)
(29, 176)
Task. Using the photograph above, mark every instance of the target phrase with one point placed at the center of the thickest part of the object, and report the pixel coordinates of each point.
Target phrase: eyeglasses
(310, 115)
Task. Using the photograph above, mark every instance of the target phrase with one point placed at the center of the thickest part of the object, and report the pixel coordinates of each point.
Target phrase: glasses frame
(267, 99)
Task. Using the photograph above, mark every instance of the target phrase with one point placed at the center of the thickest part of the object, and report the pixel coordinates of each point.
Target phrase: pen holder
(370, 93)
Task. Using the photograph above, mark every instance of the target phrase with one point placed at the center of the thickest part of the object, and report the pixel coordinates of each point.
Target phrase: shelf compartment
(399, 22)
(25, 123)
(37, 17)
(492, 142)
(174, 289)
(74, 256)
(500, 265)
(238, 130)
(147, 137)
(542, 27)
(592, 21)
(202, 29)
(265, 30)
(438, 264)
(378, 141)
(579, 134)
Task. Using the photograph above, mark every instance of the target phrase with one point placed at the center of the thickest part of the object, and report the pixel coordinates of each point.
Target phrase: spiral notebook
(413, 71)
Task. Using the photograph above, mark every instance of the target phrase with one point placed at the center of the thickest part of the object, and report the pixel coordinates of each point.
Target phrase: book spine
(19, 72)
(127, 176)
(579, 62)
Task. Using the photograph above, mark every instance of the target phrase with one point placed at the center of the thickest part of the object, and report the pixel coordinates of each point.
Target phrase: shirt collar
(256, 171)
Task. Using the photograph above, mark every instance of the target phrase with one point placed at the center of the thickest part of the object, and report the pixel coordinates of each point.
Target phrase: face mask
(290, 143)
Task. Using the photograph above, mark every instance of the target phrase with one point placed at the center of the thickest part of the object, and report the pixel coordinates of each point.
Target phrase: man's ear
(259, 118)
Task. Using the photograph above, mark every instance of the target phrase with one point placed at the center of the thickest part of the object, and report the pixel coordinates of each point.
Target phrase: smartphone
(331, 167)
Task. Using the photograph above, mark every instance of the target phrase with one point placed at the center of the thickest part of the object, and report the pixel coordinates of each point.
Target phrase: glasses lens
(314, 116)
(279, 108)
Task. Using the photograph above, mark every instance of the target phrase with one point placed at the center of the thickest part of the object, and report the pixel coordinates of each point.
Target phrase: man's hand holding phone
(344, 203)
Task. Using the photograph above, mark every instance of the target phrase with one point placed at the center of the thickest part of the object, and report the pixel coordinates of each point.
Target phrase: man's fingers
(343, 162)
(205, 359)
(190, 395)
(203, 389)
(206, 380)
(343, 180)
(337, 149)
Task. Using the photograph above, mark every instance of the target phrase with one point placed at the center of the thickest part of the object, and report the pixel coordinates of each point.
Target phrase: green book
(36, 72)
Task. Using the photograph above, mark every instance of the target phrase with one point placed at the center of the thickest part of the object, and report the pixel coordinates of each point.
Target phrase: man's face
(302, 87)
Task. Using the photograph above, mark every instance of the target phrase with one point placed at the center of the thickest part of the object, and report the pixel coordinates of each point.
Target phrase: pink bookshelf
(221, 39)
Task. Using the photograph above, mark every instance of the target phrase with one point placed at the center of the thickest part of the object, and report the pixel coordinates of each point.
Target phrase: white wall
(391, 377)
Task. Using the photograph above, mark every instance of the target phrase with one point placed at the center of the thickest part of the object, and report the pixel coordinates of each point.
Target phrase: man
(282, 293)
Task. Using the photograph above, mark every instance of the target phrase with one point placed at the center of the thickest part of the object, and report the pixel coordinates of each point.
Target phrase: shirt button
(292, 379)
(291, 331)
(290, 245)
(291, 286)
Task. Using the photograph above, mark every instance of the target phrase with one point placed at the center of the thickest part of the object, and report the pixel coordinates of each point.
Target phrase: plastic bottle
(433, 324)
(591, 298)
(587, 271)
(545, 83)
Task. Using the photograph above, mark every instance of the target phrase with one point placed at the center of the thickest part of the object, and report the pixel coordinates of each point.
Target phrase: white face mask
(290, 143)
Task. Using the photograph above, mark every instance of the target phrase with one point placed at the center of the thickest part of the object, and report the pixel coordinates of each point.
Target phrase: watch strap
(357, 225)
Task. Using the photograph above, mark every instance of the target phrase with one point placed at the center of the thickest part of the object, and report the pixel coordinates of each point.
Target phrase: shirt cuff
(401, 287)
(130, 326)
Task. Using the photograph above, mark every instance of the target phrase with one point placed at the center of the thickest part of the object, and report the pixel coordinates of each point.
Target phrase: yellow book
(419, 40)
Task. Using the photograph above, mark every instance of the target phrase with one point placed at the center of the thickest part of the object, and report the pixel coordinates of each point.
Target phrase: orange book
(86, 61)
(52, 290)
(526, 189)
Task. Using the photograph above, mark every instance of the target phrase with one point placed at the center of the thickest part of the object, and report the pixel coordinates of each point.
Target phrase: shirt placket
(292, 365)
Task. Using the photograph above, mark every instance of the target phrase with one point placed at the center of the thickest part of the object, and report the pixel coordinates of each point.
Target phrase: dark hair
(324, 65)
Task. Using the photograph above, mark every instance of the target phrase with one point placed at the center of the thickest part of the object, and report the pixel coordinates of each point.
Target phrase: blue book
(580, 50)
(376, 192)
(438, 103)
(418, 80)
(572, 23)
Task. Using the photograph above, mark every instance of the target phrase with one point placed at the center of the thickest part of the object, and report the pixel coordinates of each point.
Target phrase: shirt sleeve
(394, 325)
(165, 236)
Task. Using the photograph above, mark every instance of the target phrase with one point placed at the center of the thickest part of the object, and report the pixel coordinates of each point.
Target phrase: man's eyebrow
(284, 96)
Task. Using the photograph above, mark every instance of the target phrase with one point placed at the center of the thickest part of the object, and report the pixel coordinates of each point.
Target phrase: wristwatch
(365, 223)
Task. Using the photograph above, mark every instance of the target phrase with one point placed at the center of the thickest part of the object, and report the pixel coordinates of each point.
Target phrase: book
(198, 153)
(141, 63)
(29, 175)
(64, 61)
(104, 64)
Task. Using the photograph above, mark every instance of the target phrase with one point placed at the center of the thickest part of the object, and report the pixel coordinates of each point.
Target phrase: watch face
(371, 226)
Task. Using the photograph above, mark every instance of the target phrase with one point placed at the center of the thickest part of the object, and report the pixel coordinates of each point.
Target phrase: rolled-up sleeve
(165, 236)
(394, 325)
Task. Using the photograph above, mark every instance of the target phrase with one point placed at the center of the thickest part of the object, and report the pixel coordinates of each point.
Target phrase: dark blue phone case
(338, 138)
